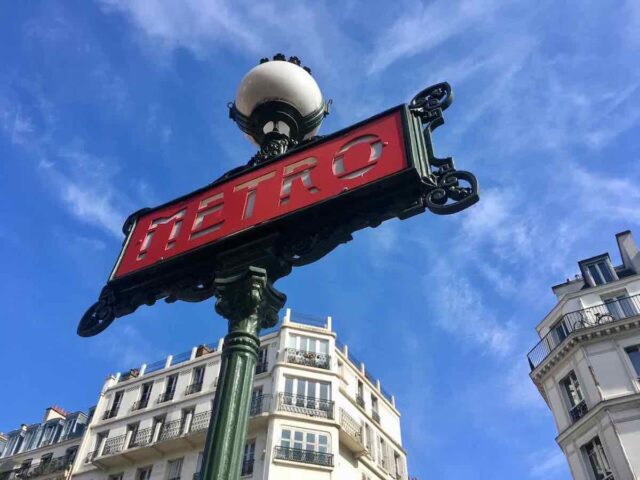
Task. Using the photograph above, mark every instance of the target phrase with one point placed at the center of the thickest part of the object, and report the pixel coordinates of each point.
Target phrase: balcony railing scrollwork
(311, 406)
(200, 421)
(309, 359)
(193, 388)
(610, 311)
(141, 438)
(578, 411)
(260, 404)
(113, 445)
(57, 464)
(304, 456)
(350, 426)
(165, 397)
(170, 430)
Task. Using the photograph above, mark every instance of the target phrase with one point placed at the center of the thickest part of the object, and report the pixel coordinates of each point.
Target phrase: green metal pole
(249, 302)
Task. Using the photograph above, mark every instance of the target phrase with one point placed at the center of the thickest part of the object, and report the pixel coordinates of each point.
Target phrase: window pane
(288, 385)
(634, 356)
(606, 273)
(324, 346)
(595, 274)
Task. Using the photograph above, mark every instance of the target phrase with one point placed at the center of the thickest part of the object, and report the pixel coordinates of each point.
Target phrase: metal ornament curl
(444, 194)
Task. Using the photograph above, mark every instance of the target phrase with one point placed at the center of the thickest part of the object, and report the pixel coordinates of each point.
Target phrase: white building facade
(587, 366)
(45, 450)
(316, 413)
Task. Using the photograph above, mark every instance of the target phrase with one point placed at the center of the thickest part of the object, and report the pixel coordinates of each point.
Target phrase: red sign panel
(323, 171)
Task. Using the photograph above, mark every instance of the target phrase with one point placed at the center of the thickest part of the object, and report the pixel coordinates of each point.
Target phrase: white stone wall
(265, 429)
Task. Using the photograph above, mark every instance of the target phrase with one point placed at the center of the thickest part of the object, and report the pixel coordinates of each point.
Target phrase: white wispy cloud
(547, 463)
(424, 27)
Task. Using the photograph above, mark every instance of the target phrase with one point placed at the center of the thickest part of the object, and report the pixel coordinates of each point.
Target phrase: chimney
(54, 412)
(628, 251)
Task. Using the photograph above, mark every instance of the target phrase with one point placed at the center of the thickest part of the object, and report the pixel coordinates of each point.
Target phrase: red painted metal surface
(323, 171)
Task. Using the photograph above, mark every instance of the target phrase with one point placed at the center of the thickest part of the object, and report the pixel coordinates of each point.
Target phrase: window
(559, 332)
(156, 427)
(25, 465)
(174, 468)
(360, 394)
(382, 453)
(256, 401)
(397, 464)
(304, 446)
(620, 306)
(262, 363)
(309, 344)
(317, 442)
(634, 356)
(100, 439)
(115, 405)
(307, 393)
(132, 432)
(144, 473)
(45, 459)
(185, 420)
(170, 388)
(196, 380)
(600, 272)
(573, 396)
(368, 438)
(597, 460)
(70, 454)
(374, 408)
(196, 475)
(248, 457)
(116, 476)
(145, 393)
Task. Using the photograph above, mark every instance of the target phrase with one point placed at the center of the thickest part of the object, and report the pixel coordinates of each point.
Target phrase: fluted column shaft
(249, 302)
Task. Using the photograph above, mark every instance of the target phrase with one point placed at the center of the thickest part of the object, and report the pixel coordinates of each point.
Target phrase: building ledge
(597, 409)
(577, 337)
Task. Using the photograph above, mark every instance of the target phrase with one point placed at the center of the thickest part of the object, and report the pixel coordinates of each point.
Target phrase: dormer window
(598, 270)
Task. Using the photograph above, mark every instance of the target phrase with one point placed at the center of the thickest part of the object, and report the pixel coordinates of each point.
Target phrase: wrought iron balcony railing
(140, 404)
(376, 416)
(144, 437)
(247, 466)
(166, 396)
(578, 411)
(141, 438)
(309, 359)
(113, 445)
(260, 404)
(200, 421)
(607, 312)
(170, 430)
(262, 367)
(112, 412)
(54, 465)
(350, 426)
(304, 456)
(193, 388)
(311, 406)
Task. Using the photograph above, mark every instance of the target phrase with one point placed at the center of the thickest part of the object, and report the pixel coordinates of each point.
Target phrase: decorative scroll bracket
(444, 192)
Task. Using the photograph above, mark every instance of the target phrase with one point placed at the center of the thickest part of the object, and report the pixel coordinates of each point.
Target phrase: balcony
(166, 396)
(260, 404)
(58, 464)
(171, 438)
(110, 413)
(262, 367)
(376, 416)
(578, 411)
(351, 433)
(306, 358)
(140, 404)
(608, 312)
(310, 406)
(193, 388)
(304, 456)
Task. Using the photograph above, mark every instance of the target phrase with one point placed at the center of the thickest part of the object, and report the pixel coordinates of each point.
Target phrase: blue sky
(107, 107)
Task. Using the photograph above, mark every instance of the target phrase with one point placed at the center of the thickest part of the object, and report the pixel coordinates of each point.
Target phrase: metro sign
(319, 173)
(286, 212)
